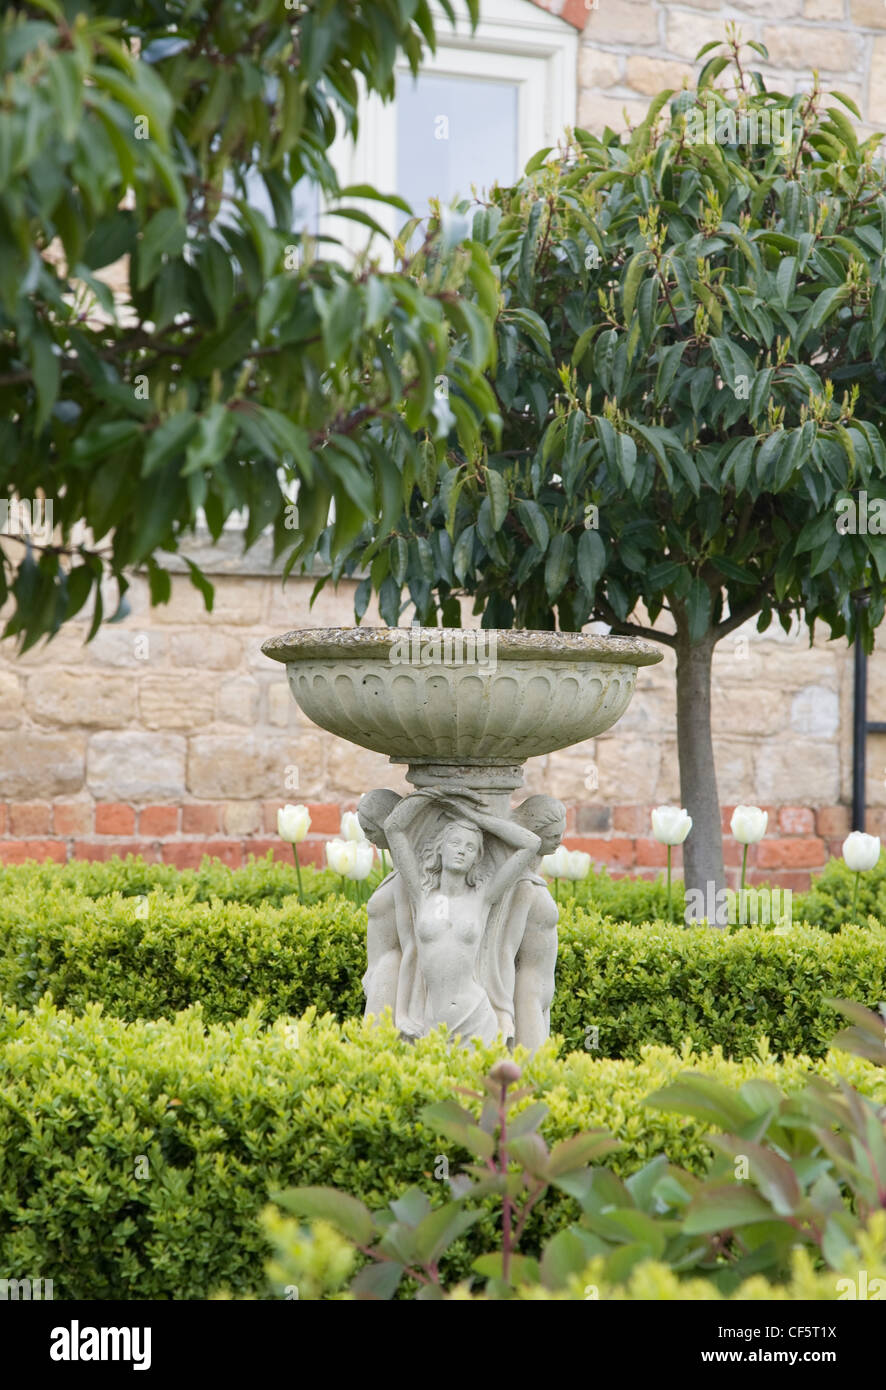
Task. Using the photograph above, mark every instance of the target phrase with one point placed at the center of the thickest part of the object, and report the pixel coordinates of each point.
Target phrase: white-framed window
(481, 106)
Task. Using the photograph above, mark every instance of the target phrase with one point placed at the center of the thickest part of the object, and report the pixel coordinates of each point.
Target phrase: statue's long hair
(432, 860)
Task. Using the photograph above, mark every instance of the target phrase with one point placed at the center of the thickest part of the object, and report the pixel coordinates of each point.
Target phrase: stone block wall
(631, 49)
(171, 736)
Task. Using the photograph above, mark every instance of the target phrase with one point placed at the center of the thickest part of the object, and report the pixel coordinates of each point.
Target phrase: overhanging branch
(621, 629)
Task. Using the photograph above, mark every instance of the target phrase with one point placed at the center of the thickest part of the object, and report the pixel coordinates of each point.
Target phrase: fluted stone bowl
(517, 696)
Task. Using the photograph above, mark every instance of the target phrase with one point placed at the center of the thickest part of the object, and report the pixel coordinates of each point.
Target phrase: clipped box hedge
(828, 903)
(135, 1157)
(618, 987)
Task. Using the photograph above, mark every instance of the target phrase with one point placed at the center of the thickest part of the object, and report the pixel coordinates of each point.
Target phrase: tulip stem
(670, 913)
(855, 892)
(744, 862)
(301, 896)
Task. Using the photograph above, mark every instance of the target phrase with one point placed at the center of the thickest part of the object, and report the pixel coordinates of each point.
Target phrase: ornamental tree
(690, 376)
(242, 357)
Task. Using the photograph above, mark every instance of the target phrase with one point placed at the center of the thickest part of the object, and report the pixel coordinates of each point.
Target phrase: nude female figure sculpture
(462, 932)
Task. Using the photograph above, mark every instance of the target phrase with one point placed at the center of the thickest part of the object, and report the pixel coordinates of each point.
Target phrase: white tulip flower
(341, 856)
(670, 826)
(861, 852)
(293, 823)
(351, 828)
(556, 865)
(363, 857)
(748, 824)
(579, 864)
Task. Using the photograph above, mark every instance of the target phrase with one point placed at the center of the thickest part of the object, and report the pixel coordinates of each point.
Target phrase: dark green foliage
(224, 1115)
(243, 357)
(153, 940)
(690, 377)
(790, 1172)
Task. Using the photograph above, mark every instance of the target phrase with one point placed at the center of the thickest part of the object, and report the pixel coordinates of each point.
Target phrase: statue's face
(551, 836)
(460, 848)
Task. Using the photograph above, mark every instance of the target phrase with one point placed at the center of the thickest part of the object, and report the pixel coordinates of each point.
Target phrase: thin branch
(736, 619)
(621, 629)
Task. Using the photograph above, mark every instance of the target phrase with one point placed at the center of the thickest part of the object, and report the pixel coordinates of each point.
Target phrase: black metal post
(859, 736)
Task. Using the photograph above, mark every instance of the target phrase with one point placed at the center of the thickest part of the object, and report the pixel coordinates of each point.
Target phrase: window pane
(453, 132)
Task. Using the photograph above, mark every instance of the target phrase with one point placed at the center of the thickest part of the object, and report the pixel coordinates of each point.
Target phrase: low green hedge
(633, 985)
(134, 1158)
(261, 881)
(828, 903)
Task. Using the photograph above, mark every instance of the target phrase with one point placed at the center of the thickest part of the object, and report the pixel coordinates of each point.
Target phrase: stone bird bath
(464, 930)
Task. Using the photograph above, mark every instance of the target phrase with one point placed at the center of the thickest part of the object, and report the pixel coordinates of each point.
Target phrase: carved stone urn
(463, 932)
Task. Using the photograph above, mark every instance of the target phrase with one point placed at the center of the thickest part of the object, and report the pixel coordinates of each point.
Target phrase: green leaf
(633, 275)
(201, 583)
(342, 1211)
(698, 607)
(571, 1154)
(667, 370)
(591, 558)
(365, 190)
(717, 1208)
(436, 1232)
(537, 160)
(533, 326)
(740, 462)
(565, 1255)
(772, 1174)
(218, 280)
(558, 564)
(214, 434)
(46, 374)
(168, 440)
(704, 1098)
(163, 236)
(377, 1281)
(523, 1269)
(463, 554)
(535, 521)
(497, 490)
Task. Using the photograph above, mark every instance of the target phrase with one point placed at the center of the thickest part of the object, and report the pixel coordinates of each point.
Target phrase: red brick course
(112, 818)
(19, 851)
(615, 852)
(27, 818)
(200, 818)
(791, 854)
(634, 820)
(832, 820)
(72, 817)
(107, 849)
(796, 820)
(188, 854)
(161, 821)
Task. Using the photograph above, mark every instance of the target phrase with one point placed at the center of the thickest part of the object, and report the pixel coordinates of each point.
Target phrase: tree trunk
(703, 850)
